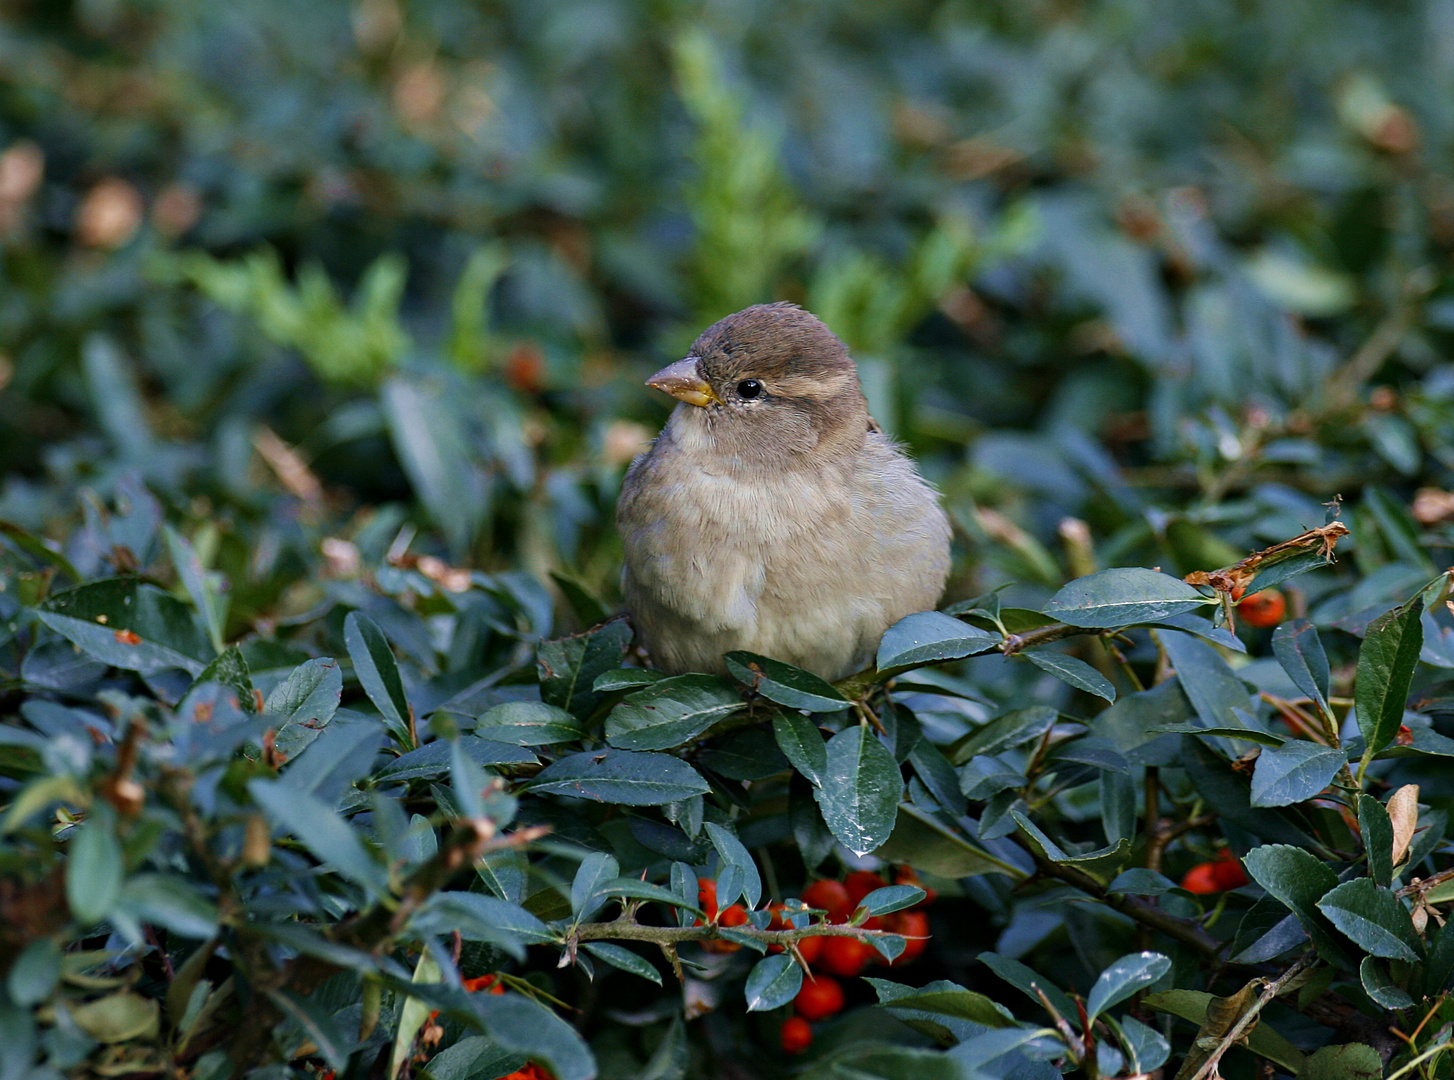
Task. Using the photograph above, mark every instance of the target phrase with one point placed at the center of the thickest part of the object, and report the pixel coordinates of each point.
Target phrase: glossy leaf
(1120, 597)
(1077, 673)
(623, 777)
(1373, 918)
(1125, 977)
(527, 723)
(930, 636)
(1386, 662)
(1294, 772)
(861, 789)
(773, 982)
(569, 666)
(784, 684)
(1300, 652)
(623, 959)
(378, 672)
(670, 712)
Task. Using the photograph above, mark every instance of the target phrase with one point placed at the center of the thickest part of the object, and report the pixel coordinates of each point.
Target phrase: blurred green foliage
(338, 285)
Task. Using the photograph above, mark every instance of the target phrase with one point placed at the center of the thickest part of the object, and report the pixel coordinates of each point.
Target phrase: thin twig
(1248, 1018)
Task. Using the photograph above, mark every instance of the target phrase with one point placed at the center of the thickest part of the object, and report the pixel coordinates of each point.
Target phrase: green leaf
(1291, 567)
(378, 672)
(432, 446)
(1373, 918)
(586, 894)
(1298, 879)
(1120, 597)
(1348, 1061)
(527, 723)
(209, 602)
(478, 917)
(1386, 663)
(732, 852)
(928, 637)
(1126, 976)
(1300, 652)
(623, 777)
(306, 701)
(118, 1018)
(1377, 830)
(432, 759)
(891, 898)
(671, 712)
(944, 998)
(471, 1058)
(321, 830)
(922, 841)
(35, 973)
(626, 678)
(229, 669)
(785, 684)
(517, 1023)
(320, 1024)
(1027, 981)
(569, 666)
(1378, 983)
(1077, 673)
(937, 775)
(1003, 733)
(773, 982)
(1293, 772)
(624, 959)
(1210, 684)
(170, 901)
(802, 744)
(106, 618)
(861, 789)
(94, 868)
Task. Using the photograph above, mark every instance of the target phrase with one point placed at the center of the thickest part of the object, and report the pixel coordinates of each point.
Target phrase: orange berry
(1263, 609)
(707, 897)
(820, 997)
(797, 1036)
(831, 896)
(846, 956)
(914, 926)
(1227, 872)
(811, 948)
(860, 883)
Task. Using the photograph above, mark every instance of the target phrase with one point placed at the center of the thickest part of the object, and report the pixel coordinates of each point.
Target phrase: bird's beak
(682, 382)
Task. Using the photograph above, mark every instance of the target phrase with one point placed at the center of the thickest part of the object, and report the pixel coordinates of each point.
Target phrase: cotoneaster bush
(416, 831)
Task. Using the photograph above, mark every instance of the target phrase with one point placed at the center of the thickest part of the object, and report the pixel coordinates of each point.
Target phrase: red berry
(820, 997)
(707, 897)
(811, 948)
(1228, 874)
(860, 883)
(1262, 609)
(797, 1035)
(1201, 879)
(733, 915)
(832, 896)
(846, 956)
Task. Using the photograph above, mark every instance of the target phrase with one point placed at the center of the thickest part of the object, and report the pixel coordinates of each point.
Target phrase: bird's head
(769, 382)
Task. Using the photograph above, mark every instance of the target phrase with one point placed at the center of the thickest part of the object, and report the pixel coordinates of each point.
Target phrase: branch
(626, 929)
(1248, 1018)
(1014, 643)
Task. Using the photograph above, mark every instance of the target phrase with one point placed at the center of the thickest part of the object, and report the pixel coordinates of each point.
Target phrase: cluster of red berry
(1216, 875)
(846, 957)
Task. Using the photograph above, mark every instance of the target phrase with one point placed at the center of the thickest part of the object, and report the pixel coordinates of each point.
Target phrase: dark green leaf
(1370, 915)
(1349, 1061)
(1297, 879)
(1028, 981)
(517, 1023)
(1077, 673)
(1003, 733)
(944, 998)
(623, 958)
(94, 868)
(626, 678)
(891, 898)
(1377, 830)
(1209, 683)
(1263, 1040)
(432, 759)
(732, 853)
(1120, 597)
(172, 902)
(785, 684)
(322, 831)
(1293, 772)
(527, 723)
(229, 669)
(930, 636)
(1277, 573)
(921, 840)
(34, 973)
(860, 791)
(1300, 652)
(802, 744)
(378, 672)
(935, 772)
(321, 1025)
(569, 666)
(1378, 983)
(773, 982)
(210, 604)
(306, 701)
(623, 777)
(586, 893)
(1125, 977)
(670, 712)
(106, 618)
(1386, 663)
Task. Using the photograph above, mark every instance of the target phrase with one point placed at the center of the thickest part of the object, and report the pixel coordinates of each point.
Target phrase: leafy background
(357, 299)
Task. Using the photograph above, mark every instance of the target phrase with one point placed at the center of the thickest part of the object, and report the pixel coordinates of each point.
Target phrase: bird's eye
(749, 389)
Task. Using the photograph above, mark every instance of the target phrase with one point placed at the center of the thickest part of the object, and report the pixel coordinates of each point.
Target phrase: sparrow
(772, 514)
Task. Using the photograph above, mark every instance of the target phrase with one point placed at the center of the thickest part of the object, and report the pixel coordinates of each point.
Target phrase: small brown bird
(771, 514)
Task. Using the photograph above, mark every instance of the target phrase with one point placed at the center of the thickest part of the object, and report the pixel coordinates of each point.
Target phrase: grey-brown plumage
(771, 514)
